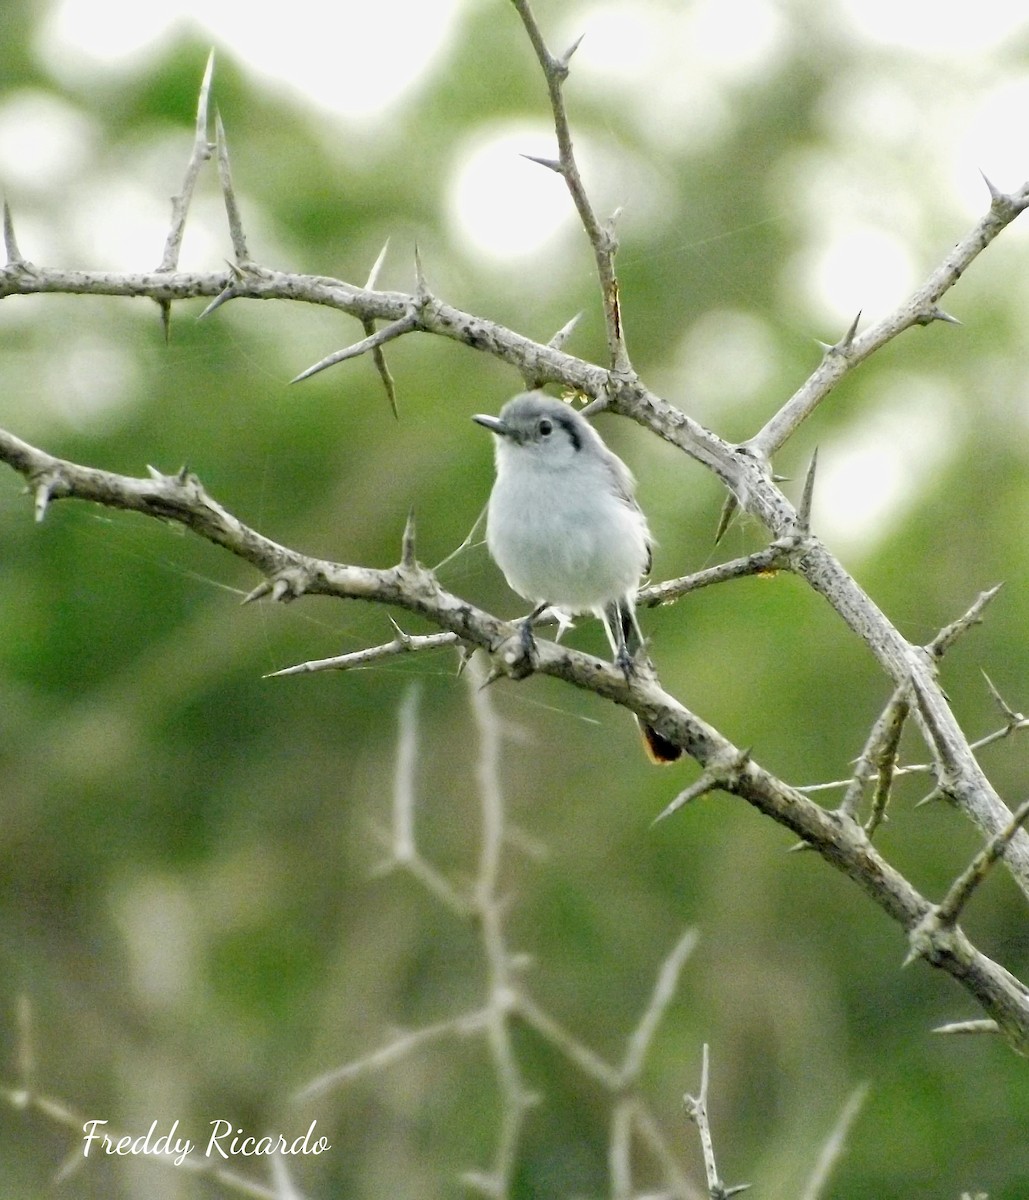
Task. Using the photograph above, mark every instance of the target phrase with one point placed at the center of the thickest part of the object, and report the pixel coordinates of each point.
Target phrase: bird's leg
(613, 617)
(632, 635)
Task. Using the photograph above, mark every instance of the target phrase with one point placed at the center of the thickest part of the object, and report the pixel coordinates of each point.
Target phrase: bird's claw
(625, 662)
(519, 653)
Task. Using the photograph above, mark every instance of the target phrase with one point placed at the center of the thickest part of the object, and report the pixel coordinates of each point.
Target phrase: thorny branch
(696, 1110)
(744, 469)
(601, 237)
(841, 841)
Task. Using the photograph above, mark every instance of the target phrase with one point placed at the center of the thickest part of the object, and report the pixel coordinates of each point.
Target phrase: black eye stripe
(569, 427)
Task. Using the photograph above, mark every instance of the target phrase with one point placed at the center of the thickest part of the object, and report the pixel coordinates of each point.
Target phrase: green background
(190, 894)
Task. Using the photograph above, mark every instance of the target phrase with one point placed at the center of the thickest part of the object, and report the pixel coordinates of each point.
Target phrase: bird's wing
(625, 488)
(622, 478)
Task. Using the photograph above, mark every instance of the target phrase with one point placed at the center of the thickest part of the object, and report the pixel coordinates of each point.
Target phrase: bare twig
(835, 1144)
(922, 768)
(949, 634)
(404, 791)
(696, 1110)
(200, 154)
(375, 340)
(402, 643)
(401, 843)
(601, 236)
(949, 909)
(879, 758)
(919, 309)
(662, 995)
(399, 1048)
(516, 1098)
(966, 1027)
(239, 241)
(571, 1047)
(182, 499)
(772, 558)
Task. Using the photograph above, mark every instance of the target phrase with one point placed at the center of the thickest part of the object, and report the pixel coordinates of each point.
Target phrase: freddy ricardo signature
(224, 1141)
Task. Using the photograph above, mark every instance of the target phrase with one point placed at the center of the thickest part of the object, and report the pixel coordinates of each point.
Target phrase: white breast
(565, 536)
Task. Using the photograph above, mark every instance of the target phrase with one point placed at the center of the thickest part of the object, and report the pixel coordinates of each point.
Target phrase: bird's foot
(526, 639)
(519, 654)
(626, 662)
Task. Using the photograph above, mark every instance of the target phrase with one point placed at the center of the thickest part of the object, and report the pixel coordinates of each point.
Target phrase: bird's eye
(546, 427)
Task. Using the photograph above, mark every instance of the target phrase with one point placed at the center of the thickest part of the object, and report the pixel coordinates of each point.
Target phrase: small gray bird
(564, 527)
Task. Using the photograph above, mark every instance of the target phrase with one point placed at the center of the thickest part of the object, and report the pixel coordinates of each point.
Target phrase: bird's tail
(630, 651)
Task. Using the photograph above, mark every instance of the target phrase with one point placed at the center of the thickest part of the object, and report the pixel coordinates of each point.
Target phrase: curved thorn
(804, 515)
(729, 509)
(564, 333)
(226, 294)
(165, 308)
(408, 559)
(44, 494)
(566, 58)
(239, 241)
(14, 255)
(378, 338)
(995, 193)
(421, 284)
(939, 314)
(259, 592)
(845, 343)
(552, 164)
(373, 274)
(204, 97)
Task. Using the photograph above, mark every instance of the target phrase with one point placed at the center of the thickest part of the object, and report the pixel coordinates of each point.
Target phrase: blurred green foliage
(188, 893)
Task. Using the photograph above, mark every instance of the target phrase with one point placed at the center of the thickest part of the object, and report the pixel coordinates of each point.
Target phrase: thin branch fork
(921, 308)
(947, 912)
(749, 478)
(696, 1110)
(879, 754)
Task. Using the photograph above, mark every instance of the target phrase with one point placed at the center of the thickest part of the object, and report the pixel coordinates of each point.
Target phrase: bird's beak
(493, 424)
